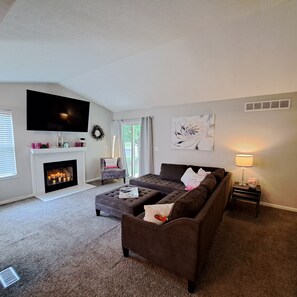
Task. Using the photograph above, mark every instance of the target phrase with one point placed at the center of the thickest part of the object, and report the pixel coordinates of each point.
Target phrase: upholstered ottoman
(110, 203)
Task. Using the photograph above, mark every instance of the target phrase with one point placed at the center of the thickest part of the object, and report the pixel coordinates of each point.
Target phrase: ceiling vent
(268, 105)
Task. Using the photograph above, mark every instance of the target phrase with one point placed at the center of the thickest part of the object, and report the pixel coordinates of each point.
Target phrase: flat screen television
(48, 112)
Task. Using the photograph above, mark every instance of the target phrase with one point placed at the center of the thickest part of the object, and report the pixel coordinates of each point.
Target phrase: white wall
(246, 56)
(270, 135)
(13, 97)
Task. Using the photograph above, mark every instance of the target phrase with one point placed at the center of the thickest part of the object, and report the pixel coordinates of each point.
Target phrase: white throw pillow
(202, 172)
(111, 163)
(191, 179)
(157, 209)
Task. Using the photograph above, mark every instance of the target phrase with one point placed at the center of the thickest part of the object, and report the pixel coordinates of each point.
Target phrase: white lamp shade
(244, 160)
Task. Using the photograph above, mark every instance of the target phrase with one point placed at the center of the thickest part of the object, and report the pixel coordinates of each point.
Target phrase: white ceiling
(131, 54)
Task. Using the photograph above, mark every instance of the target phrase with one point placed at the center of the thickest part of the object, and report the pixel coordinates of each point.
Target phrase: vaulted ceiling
(131, 54)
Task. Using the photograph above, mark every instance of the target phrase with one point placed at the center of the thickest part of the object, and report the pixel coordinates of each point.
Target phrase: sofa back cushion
(209, 182)
(189, 204)
(206, 168)
(172, 172)
(219, 174)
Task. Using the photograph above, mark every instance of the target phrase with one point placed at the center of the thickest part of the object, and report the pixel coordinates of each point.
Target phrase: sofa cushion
(219, 174)
(209, 182)
(172, 172)
(153, 181)
(189, 204)
(153, 211)
(172, 197)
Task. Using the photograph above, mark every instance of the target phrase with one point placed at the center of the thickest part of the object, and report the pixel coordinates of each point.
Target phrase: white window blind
(7, 149)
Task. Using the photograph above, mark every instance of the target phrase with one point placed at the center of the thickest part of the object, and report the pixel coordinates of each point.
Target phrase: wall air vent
(268, 105)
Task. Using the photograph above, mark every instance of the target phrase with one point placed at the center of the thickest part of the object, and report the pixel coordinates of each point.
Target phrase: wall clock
(97, 132)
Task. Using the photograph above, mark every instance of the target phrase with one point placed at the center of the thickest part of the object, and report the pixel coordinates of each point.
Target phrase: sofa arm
(166, 245)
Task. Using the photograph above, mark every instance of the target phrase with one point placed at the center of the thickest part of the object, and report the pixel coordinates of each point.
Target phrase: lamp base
(241, 183)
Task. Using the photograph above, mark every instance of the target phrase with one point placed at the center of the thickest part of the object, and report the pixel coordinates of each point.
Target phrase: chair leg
(97, 212)
(124, 180)
(102, 181)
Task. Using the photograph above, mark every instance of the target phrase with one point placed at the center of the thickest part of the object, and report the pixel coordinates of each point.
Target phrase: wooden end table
(246, 193)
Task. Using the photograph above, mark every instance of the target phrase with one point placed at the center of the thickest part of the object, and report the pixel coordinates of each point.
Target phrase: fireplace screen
(59, 175)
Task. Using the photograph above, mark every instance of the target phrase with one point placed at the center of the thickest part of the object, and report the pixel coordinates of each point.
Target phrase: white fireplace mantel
(57, 150)
(47, 155)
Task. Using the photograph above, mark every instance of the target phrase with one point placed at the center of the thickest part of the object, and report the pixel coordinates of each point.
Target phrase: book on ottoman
(128, 192)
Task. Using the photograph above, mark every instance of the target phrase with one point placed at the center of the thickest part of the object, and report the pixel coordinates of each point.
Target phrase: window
(7, 150)
(131, 139)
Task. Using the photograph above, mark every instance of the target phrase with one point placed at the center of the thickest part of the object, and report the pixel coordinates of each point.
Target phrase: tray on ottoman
(110, 203)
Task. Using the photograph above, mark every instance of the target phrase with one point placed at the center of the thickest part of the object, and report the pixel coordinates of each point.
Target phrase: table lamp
(243, 160)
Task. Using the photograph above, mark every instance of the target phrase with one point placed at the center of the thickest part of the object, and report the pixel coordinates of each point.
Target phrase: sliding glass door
(131, 141)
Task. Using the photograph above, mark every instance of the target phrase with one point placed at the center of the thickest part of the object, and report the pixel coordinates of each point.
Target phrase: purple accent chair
(112, 173)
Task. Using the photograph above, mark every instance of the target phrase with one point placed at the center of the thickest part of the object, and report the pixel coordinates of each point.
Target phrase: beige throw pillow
(157, 209)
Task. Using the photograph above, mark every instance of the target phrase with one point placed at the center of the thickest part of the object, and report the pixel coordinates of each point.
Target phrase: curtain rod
(133, 119)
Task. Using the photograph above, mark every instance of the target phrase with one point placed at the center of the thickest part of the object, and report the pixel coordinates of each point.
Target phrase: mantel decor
(97, 132)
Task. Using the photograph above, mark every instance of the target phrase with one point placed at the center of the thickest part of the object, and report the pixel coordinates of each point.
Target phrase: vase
(59, 140)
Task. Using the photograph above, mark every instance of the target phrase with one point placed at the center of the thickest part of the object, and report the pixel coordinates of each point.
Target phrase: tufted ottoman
(110, 203)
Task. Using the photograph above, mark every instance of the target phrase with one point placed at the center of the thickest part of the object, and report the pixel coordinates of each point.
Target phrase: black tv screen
(48, 112)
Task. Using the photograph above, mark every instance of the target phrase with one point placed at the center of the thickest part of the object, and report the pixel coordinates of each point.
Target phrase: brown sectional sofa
(169, 178)
(181, 245)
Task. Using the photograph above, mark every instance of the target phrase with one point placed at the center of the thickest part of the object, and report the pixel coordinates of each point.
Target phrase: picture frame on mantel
(193, 133)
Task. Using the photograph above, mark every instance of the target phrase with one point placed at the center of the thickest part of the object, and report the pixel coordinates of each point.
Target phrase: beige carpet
(61, 248)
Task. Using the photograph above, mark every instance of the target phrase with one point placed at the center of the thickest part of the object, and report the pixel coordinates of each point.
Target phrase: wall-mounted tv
(48, 112)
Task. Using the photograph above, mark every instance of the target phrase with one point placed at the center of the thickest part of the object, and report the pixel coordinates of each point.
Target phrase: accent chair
(112, 172)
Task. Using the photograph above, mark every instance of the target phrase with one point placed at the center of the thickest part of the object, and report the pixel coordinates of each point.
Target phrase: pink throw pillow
(111, 163)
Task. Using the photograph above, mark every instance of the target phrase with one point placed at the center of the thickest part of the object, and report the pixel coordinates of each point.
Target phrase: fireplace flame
(59, 176)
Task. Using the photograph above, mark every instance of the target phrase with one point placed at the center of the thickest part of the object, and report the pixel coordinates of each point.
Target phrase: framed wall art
(193, 133)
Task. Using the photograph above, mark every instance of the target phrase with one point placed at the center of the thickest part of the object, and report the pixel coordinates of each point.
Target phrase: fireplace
(39, 157)
(59, 175)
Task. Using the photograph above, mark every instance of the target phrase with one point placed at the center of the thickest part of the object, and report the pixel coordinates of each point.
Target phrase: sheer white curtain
(146, 161)
(117, 142)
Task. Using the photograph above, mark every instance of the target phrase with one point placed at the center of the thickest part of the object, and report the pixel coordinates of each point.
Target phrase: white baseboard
(93, 179)
(279, 206)
(16, 199)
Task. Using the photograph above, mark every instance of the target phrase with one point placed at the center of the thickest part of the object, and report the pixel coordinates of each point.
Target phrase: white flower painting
(193, 133)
